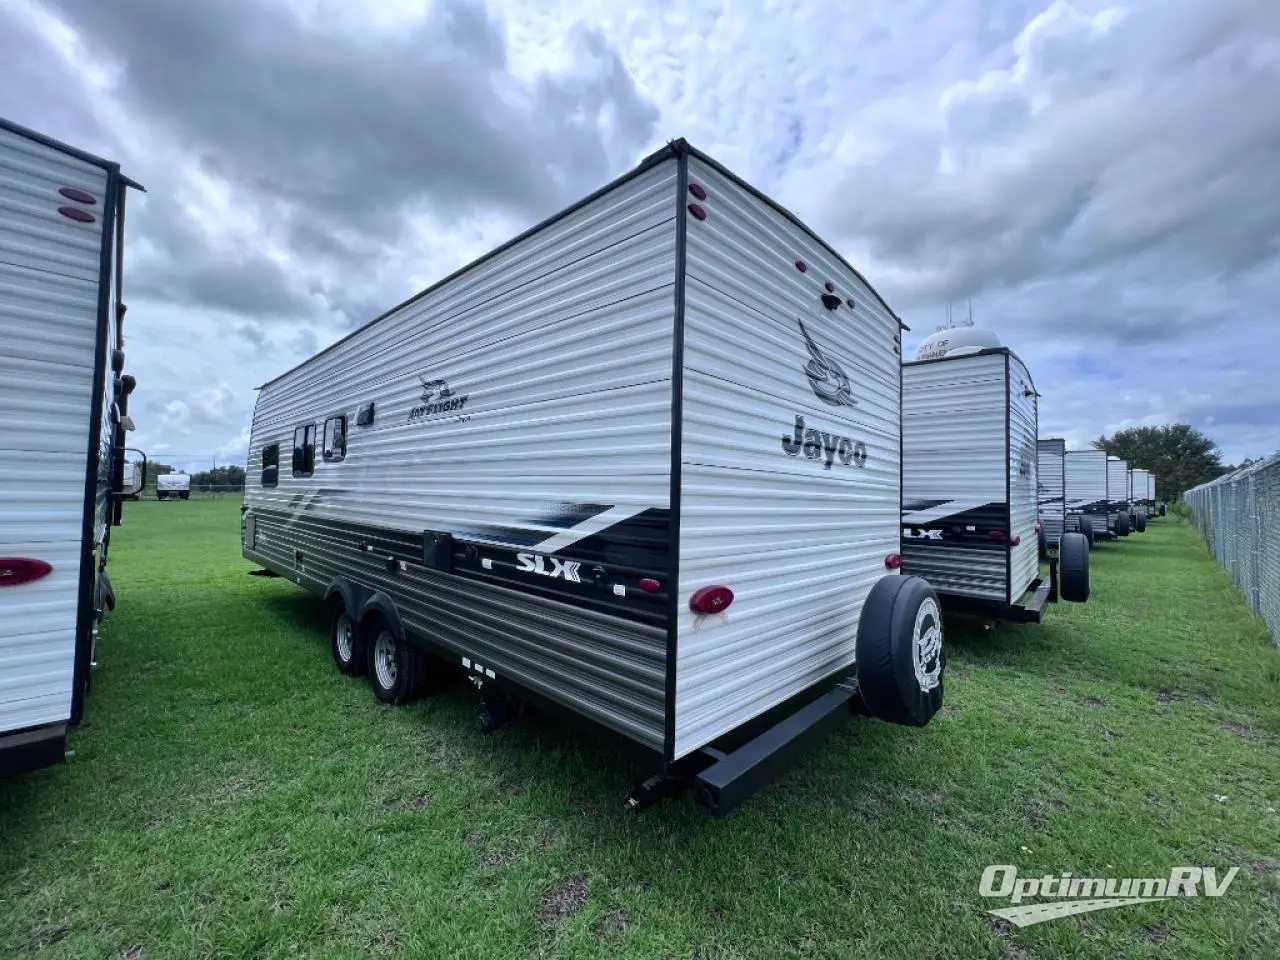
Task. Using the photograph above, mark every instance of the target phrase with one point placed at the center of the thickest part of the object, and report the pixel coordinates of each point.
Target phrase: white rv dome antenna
(956, 339)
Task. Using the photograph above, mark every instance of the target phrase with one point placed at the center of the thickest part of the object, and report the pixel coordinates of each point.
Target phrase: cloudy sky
(1101, 181)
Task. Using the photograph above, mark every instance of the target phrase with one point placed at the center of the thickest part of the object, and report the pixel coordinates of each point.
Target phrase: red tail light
(1015, 540)
(715, 599)
(1037, 528)
(893, 561)
(16, 570)
(650, 585)
(996, 534)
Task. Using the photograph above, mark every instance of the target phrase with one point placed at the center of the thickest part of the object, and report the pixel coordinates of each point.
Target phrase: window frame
(273, 467)
(304, 452)
(336, 455)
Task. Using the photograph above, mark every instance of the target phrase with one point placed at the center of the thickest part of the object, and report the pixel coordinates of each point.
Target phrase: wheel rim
(343, 634)
(926, 645)
(384, 659)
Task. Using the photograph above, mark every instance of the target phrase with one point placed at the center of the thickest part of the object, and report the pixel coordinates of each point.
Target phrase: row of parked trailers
(1093, 493)
(656, 465)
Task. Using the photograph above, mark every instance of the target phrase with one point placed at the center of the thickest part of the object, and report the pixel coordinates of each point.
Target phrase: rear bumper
(25, 750)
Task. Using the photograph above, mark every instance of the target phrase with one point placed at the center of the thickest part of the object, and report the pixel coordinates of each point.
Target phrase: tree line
(1178, 456)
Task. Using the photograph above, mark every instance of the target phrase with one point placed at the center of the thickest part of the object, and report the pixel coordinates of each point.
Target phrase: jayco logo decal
(436, 399)
(820, 445)
(826, 377)
(548, 566)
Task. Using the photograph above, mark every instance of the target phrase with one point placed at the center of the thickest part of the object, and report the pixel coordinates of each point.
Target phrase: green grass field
(232, 795)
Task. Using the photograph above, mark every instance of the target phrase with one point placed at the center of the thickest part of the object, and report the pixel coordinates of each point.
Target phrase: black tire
(184, 495)
(1122, 525)
(347, 642)
(899, 650)
(1140, 522)
(1073, 568)
(397, 671)
(1086, 529)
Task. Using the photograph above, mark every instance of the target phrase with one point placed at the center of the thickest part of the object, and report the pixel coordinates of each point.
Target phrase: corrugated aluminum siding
(1086, 479)
(954, 455)
(1051, 483)
(562, 345)
(1023, 463)
(799, 543)
(49, 269)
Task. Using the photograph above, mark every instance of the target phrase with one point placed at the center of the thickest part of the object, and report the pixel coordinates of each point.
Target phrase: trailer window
(304, 450)
(335, 439)
(271, 465)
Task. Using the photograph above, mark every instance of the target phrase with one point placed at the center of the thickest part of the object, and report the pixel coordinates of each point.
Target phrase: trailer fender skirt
(106, 594)
(349, 593)
(735, 776)
(382, 605)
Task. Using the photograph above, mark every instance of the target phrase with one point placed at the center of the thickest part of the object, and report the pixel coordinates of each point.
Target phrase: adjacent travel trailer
(969, 490)
(1138, 507)
(132, 480)
(1051, 487)
(173, 486)
(1118, 497)
(640, 466)
(1086, 480)
(64, 401)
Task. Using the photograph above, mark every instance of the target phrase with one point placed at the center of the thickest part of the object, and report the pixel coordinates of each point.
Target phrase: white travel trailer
(1051, 487)
(640, 467)
(1118, 496)
(173, 486)
(969, 490)
(64, 401)
(132, 480)
(1138, 506)
(1086, 480)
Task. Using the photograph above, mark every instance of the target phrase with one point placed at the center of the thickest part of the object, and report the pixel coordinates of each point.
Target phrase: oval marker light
(714, 599)
(893, 561)
(650, 585)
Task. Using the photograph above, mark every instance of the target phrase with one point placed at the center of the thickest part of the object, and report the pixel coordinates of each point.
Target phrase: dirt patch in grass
(412, 803)
(564, 900)
(1166, 696)
(619, 921)
(1093, 702)
(1156, 932)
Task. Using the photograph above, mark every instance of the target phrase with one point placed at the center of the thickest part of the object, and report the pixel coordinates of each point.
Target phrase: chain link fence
(1239, 517)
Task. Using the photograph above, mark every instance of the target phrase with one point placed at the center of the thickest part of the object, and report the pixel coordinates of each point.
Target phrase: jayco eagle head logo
(826, 377)
(434, 389)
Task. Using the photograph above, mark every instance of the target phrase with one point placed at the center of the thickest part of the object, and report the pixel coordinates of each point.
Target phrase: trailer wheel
(899, 651)
(396, 670)
(1073, 568)
(347, 643)
(1122, 525)
(1140, 522)
(1086, 529)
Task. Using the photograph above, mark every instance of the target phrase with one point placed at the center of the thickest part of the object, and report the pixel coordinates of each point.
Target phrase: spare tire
(1122, 524)
(1073, 568)
(1140, 521)
(899, 651)
(1086, 528)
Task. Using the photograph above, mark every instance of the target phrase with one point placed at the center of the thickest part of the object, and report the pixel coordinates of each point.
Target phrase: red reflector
(849, 303)
(996, 534)
(16, 570)
(697, 190)
(76, 194)
(1015, 540)
(893, 561)
(711, 600)
(801, 266)
(697, 211)
(75, 213)
(650, 585)
(1037, 528)
(830, 287)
